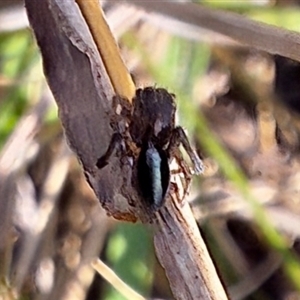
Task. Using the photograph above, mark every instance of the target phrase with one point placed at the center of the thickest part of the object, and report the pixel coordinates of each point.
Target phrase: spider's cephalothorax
(152, 129)
(153, 116)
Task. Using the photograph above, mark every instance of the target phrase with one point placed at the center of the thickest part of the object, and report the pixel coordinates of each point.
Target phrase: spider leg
(115, 141)
(183, 168)
(121, 116)
(179, 137)
(125, 105)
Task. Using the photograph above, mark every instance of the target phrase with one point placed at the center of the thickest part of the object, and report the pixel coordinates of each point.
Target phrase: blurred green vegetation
(285, 16)
(21, 78)
(129, 249)
(130, 253)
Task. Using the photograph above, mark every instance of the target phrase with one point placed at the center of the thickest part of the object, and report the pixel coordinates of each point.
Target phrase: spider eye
(153, 175)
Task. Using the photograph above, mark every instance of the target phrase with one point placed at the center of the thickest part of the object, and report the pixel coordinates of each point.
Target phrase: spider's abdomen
(153, 175)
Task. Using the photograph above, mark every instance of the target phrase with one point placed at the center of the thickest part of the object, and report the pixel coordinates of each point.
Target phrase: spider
(148, 125)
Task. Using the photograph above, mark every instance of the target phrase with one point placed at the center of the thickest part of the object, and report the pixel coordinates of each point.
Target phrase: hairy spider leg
(120, 119)
(125, 105)
(183, 168)
(115, 141)
(179, 137)
(118, 123)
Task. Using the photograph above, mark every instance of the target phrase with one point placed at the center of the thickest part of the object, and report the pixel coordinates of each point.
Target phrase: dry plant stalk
(83, 89)
(254, 34)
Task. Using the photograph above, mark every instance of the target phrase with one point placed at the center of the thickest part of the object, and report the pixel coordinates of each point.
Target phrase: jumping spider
(151, 129)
